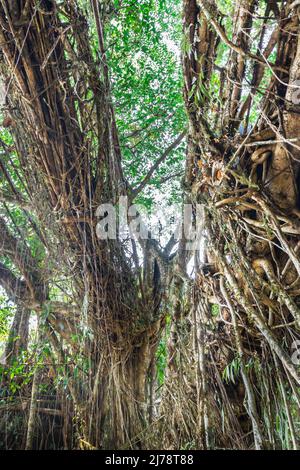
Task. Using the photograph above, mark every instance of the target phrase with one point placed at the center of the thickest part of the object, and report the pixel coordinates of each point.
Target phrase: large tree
(241, 87)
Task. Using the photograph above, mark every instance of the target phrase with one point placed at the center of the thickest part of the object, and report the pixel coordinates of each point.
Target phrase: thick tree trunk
(246, 291)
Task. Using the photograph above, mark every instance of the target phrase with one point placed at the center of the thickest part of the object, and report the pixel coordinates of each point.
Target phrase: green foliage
(189, 446)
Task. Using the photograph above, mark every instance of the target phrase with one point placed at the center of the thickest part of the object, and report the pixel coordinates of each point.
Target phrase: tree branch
(154, 167)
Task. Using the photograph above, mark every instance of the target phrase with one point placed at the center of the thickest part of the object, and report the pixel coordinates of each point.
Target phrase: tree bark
(18, 335)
